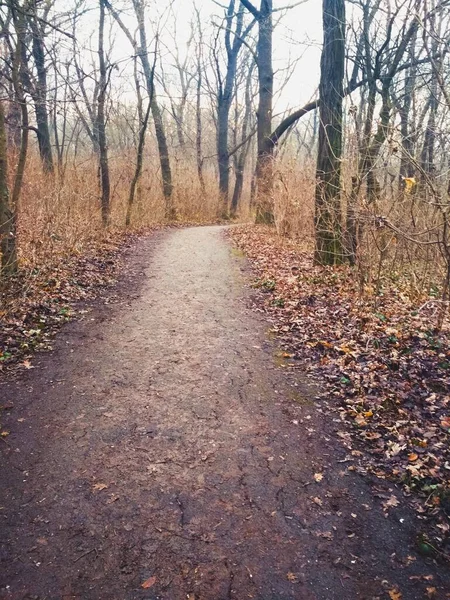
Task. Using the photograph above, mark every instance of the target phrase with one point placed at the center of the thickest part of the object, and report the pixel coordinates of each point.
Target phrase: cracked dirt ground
(161, 442)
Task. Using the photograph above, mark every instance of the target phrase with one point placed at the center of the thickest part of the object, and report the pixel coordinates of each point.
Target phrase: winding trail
(160, 439)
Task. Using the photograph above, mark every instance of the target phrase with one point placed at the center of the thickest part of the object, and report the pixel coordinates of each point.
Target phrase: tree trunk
(264, 165)
(101, 123)
(156, 112)
(40, 96)
(7, 216)
(241, 157)
(199, 130)
(329, 245)
(139, 161)
(225, 98)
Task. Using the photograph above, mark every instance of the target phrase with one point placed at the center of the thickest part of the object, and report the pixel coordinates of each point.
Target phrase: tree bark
(156, 112)
(7, 216)
(101, 123)
(39, 92)
(329, 245)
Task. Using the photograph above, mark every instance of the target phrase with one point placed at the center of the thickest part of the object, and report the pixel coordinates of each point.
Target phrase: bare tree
(329, 246)
(101, 120)
(141, 49)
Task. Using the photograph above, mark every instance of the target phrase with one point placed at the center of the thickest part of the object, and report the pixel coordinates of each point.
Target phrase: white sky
(297, 36)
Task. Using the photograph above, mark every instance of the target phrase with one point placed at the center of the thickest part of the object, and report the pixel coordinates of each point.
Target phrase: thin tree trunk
(7, 216)
(101, 123)
(243, 152)
(139, 161)
(156, 112)
(199, 130)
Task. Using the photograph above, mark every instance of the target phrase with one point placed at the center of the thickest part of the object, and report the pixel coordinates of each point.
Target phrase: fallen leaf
(318, 477)
(318, 501)
(390, 503)
(395, 594)
(292, 577)
(445, 422)
(360, 420)
(412, 457)
(149, 583)
(100, 486)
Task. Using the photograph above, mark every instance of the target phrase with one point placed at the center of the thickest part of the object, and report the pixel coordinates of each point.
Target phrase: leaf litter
(385, 368)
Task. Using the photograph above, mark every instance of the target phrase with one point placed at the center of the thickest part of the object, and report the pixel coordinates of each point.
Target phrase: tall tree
(7, 216)
(141, 50)
(38, 86)
(264, 164)
(235, 36)
(101, 121)
(329, 246)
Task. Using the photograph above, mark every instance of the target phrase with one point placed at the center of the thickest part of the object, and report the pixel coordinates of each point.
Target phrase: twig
(85, 554)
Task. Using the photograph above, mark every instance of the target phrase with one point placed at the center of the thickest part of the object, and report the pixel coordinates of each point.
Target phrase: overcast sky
(297, 36)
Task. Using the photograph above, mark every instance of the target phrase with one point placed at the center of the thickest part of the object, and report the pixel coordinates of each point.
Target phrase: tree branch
(249, 6)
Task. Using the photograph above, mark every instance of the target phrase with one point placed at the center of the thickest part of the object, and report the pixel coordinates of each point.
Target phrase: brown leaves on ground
(36, 302)
(381, 359)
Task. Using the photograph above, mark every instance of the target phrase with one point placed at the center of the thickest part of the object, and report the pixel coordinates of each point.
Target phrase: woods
(116, 116)
(166, 170)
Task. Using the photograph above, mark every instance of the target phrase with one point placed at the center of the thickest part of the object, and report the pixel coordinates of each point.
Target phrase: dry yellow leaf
(318, 477)
(395, 594)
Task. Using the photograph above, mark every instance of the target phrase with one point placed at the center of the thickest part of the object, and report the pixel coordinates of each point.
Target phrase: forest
(243, 209)
(116, 115)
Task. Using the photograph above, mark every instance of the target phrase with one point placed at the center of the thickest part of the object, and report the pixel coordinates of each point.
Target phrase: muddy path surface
(162, 442)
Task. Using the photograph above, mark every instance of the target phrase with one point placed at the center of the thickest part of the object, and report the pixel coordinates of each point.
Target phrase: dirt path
(160, 439)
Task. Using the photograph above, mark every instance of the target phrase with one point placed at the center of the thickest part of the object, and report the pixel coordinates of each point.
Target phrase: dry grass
(60, 217)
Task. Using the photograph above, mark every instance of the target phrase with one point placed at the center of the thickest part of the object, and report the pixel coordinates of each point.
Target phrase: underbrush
(386, 366)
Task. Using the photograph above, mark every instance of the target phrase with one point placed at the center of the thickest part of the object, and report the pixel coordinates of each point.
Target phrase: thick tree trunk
(264, 165)
(329, 245)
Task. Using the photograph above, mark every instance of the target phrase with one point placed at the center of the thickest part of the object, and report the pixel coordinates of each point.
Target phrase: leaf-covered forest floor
(36, 302)
(387, 371)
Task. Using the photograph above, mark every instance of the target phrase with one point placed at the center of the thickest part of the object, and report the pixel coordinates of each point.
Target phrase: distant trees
(184, 122)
